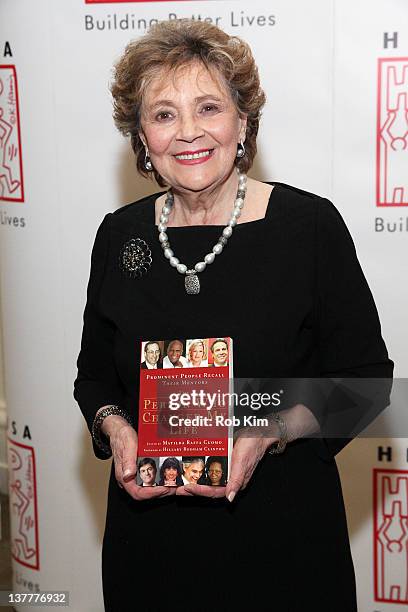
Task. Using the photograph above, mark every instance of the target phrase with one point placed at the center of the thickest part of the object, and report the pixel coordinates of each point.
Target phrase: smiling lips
(193, 157)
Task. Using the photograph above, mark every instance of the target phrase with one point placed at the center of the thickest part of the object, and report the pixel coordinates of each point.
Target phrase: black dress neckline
(152, 216)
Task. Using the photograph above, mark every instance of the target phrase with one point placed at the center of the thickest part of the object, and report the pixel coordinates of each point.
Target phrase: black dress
(290, 292)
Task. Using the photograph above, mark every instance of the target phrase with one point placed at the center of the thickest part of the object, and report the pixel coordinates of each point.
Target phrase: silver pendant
(135, 258)
(192, 283)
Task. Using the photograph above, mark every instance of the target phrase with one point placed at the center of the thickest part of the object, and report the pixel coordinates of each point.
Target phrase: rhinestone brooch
(135, 258)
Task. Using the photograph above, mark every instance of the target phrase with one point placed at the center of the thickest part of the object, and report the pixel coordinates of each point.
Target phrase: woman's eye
(208, 108)
(163, 116)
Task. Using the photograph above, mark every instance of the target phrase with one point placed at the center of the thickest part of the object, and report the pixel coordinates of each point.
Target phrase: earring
(241, 149)
(147, 163)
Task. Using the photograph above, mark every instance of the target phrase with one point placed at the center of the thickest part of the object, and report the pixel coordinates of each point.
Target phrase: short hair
(187, 461)
(218, 340)
(222, 462)
(171, 462)
(173, 341)
(193, 344)
(170, 45)
(147, 461)
(151, 342)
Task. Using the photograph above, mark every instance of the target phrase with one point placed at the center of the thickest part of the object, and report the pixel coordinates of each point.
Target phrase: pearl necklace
(192, 283)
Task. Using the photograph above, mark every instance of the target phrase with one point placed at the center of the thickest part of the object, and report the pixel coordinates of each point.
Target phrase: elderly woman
(217, 254)
(197, 355)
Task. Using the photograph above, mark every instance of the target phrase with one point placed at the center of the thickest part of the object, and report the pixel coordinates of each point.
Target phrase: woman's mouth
(194, 157)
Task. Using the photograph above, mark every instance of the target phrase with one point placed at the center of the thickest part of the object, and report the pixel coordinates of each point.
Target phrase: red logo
(391, 536)
(392, 132)
(23, 505)
(11, 169)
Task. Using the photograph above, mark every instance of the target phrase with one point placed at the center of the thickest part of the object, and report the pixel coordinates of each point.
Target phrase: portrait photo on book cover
(146, 472)
(152, 355)
(218, 355)
(197, 353)
(170, 472)
(174, 353)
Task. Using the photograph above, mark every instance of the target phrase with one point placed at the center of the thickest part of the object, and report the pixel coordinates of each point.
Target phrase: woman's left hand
(249, 448)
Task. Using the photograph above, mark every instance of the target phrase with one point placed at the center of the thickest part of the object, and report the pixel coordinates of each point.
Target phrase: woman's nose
(189, 128)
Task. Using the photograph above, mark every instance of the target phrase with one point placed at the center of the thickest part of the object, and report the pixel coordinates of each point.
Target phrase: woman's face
(215, 473)
(191, 127)
(170, 473)
(197, 353)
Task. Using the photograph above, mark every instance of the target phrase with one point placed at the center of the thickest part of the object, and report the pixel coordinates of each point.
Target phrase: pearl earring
(241, 149)
(147, 163)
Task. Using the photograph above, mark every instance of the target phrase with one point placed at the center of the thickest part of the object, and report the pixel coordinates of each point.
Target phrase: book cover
(185, 411)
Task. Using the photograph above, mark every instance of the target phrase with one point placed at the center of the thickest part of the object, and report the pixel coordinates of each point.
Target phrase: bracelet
(278, 447)
(97, 424)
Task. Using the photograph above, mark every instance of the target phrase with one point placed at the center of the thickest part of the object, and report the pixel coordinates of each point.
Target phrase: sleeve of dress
(97, 383)
(349, 339)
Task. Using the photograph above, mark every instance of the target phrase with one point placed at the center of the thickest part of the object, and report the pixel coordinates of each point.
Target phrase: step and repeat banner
(335, 123)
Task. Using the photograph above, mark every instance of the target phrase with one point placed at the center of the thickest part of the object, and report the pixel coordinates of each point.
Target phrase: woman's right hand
(123, 443)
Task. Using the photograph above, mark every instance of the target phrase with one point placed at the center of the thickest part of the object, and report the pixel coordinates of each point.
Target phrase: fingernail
(231, 496)
(127, 473)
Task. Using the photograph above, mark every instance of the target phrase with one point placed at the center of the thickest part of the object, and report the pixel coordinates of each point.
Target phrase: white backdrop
(63, 166)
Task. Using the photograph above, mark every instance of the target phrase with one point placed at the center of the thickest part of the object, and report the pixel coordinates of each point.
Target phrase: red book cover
(185, 411)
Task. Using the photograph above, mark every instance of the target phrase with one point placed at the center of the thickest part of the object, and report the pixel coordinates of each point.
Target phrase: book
(185, 429)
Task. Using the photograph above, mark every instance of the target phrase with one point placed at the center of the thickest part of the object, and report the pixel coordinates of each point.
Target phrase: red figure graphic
(11, 171)
(23, 505)
(392, 132)
(391, 536)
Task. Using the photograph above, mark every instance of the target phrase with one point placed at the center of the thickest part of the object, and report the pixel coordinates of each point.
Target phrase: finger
(125, 453)
(255, 455)
(119, 472)
(247, 476)
(236, 479)
(129, 473)
(143, 493)
(154, 492)
(132, 488)
(124, 450)
(129, 468)
(240, 465)
(233, 486)
(182, 491)
(205, 490)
